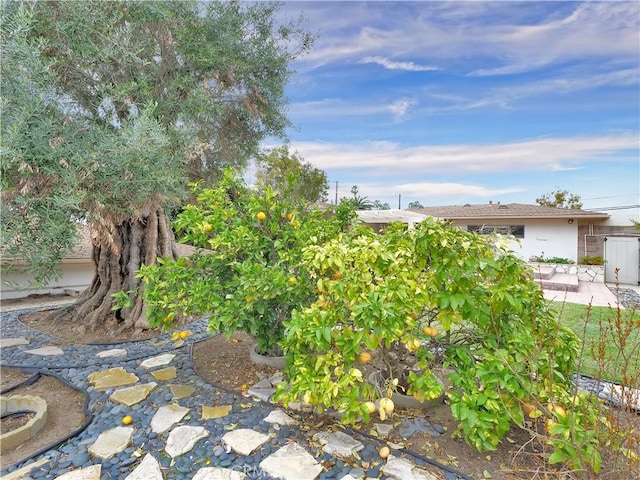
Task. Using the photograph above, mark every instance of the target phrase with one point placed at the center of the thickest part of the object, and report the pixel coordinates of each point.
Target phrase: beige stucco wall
(75, 277)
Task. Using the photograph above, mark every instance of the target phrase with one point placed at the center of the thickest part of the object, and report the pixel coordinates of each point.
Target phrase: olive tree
(110, 108)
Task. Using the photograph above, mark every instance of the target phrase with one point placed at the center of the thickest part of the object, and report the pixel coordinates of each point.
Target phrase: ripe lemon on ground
(289, 216)
(184, 334)
(371, 407)
(387, 405)
(127, 420)
(364, 357)
(384, 452)
(261, 216)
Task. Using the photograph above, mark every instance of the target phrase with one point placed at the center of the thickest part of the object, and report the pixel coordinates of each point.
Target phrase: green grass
(611, 340)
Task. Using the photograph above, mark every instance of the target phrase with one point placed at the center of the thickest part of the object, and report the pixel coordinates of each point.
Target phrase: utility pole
(336, 192)
(399, 201)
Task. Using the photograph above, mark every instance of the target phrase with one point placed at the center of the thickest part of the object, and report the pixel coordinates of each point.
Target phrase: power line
(619, 207)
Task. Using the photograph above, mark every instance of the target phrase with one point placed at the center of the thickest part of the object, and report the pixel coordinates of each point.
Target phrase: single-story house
(378, 219)
(552, 232)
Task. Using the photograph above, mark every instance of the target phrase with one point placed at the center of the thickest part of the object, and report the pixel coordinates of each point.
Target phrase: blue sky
(467, 102)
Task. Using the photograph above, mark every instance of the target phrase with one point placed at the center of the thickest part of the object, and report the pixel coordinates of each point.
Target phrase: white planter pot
(273, 362)
(406, 401)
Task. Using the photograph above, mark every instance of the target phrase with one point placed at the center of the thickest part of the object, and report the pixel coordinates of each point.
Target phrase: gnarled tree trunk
(132, 243)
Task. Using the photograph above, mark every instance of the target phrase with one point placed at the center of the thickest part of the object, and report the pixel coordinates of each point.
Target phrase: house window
(516, 231)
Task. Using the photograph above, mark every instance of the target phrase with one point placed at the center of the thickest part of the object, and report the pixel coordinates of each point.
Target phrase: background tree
(415, 204)
(110, 107)
(359, 202)
(292, 176)
(560, 199)
(378, 205)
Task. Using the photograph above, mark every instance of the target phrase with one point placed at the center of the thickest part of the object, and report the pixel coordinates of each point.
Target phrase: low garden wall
(586, 273)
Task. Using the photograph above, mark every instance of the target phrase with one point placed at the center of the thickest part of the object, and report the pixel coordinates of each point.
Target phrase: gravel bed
(627, 297)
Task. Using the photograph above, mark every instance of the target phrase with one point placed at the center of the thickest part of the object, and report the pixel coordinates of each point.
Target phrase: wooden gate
(622, 253)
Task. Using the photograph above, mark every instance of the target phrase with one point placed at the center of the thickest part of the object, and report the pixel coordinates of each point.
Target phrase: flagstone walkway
(182, 427)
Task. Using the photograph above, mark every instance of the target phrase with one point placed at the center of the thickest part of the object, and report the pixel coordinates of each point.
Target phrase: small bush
(592, 260)
(556, 260)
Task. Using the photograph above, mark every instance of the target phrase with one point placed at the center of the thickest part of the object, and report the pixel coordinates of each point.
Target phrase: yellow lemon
(371, 407)
(364, 357)
(184, 334)
(127, 420)
(384, 452)
(261, 216)
(387, 405)
(557, 409)
(430, 331)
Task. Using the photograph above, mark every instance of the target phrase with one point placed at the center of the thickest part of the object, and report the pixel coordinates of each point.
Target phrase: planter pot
(273, 362)
(405, 401)
(19, 403)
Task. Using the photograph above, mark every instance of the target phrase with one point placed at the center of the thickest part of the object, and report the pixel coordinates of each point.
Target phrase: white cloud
(430, 190)
(399, 108)
(332, 107)
(490, 38)
(544, 154)
(406, 66)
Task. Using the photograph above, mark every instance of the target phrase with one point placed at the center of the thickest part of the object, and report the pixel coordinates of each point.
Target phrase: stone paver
(383, 429)
(244, 440)
(181, 391)
(13, 342)
(90, 473)
(48, 351)
(165, 373)
(167, 416)
(129, 396)
(112, 352)
(292, 462)
(211, 413)
(183, 438)
(339, 443)
(111, 442)
(113, 377)
(280, 417)
(216, 473)
(158, 361)
(403, 469)
(148, 469)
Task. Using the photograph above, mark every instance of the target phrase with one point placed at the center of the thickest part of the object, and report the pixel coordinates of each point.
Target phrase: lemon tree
(248, 275)
(452, 300)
